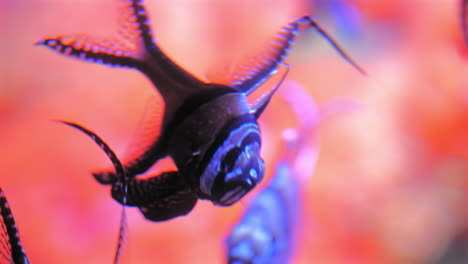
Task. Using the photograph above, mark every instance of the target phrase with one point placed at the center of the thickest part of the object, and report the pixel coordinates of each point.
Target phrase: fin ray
(259, 105)
(256, 71)
(141, 145)
(103, 51)
(134, 23)
(122, 234)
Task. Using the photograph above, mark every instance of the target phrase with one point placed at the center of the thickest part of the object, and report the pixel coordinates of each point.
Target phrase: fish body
(265, 234)
(210, 130)
(267, 231)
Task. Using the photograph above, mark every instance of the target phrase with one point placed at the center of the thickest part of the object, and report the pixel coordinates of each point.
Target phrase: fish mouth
(232, 196)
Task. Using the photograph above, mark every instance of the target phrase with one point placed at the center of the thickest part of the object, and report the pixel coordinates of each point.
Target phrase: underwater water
(391, 176)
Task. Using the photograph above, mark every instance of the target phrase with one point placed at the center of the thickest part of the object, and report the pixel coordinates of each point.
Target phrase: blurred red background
(391, 180)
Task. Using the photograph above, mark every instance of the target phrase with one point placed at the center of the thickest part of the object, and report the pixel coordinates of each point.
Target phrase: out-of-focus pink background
(392, 177)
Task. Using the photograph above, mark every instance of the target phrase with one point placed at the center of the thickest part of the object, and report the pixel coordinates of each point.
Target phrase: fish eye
(230, 159)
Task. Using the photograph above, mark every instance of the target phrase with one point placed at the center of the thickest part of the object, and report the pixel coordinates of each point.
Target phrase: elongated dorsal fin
(126, 52)
(256, 71)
